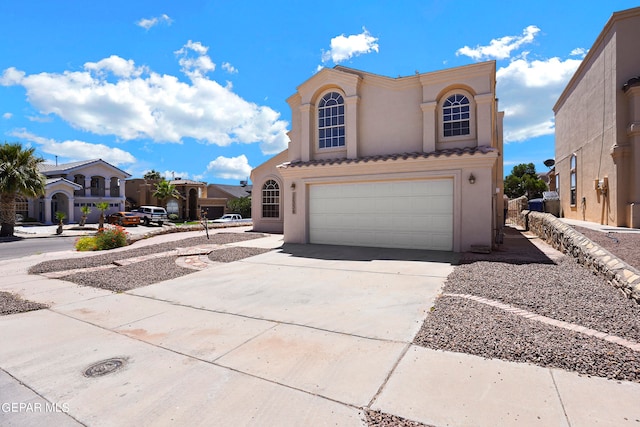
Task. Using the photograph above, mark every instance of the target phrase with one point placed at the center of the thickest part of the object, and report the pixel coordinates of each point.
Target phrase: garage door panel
(402, 214)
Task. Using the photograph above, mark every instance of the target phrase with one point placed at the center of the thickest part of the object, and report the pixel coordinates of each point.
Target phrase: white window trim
(472, 117)
(316, 123)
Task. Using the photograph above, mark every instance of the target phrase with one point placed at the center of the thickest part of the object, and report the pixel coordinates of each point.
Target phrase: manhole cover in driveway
(105, 367)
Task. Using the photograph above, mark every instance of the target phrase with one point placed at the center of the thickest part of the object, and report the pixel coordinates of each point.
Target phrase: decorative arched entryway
(59, 203)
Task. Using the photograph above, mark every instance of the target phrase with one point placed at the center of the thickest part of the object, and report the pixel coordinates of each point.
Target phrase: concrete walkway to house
(302, 335)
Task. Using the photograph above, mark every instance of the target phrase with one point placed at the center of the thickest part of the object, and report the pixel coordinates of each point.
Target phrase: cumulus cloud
(500, 48)
(229, 68)
(147, 23)
(579, 51)
(114, 96)
(7, 116)
(346, 47)
(230, 167)
(527, 91)
(77, 150)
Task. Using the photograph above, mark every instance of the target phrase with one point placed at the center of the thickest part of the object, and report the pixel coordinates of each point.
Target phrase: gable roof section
(483, 149)
(49, 182)
(49, 169)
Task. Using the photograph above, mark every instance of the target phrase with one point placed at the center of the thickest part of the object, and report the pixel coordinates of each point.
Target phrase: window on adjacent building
(573, 179)
(97, 186)
(456, 115)
(79, 179)
(270, 199)
(114, 187)
(331, 121)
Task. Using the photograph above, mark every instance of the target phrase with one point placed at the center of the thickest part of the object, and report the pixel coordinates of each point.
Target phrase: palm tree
(164, 190)
(19, 175)
(102, 206)
(86, 210)
(152, 174)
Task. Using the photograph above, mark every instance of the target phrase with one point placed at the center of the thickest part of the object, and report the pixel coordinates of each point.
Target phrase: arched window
(271, 199)
(331, 121)
(456, 115)
(573, 179)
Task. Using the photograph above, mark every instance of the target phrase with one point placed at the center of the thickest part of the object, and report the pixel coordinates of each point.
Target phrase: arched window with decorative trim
(456, 115)
(331, 130)
(271, 199)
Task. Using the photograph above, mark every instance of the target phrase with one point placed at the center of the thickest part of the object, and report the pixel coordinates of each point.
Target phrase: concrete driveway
(302, 335)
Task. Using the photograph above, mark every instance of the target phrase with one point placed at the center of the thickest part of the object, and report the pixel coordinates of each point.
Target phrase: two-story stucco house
(70, 186)
(597, 120)
(407, 162)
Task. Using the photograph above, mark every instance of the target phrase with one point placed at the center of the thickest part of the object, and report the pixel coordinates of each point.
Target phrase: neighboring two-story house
(70, 186)
(407, 162)
(597, 121)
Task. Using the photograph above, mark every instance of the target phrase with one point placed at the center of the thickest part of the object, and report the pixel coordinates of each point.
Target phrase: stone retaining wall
(566, 239)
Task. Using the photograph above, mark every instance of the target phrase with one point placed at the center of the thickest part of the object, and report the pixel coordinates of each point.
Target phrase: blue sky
(196, 89)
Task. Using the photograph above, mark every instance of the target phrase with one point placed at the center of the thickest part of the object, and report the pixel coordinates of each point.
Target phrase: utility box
(551, 203)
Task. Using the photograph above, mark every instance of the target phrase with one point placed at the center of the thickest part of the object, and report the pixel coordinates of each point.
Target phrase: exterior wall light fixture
(472, 179)
(293, 185)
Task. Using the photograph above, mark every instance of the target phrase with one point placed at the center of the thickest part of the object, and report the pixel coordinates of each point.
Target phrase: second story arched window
(331, 121)
(456, 115)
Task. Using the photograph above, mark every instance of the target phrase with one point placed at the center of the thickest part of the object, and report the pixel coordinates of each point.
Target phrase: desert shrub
(86, 243)
(109, 237)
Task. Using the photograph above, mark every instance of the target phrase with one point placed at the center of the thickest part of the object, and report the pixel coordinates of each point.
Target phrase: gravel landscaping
(108, 257)
(12, 304)
(624, 245)
(563, 291)
(381, 419)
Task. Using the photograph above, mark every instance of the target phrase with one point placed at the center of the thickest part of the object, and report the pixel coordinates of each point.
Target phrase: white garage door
(397, 214)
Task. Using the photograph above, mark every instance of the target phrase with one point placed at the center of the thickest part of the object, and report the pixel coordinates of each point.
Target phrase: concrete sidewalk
(302, 335)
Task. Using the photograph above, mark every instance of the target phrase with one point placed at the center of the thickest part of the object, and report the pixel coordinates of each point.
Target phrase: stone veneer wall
(566, 239)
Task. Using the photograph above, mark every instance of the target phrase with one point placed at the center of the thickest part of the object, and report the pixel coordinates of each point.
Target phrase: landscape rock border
(566, 239)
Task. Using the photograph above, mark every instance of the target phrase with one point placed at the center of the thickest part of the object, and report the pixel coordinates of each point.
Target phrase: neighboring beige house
(195, 197)
(70, 186)
(597, 120)
(407, 162)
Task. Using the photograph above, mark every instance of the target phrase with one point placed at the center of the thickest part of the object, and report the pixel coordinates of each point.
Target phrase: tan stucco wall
(592, 118)
(259, 176)
(392, 116)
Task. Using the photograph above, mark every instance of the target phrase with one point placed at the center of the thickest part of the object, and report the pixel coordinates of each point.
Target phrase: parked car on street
(229, 218)
(149, 214)
(123, 218)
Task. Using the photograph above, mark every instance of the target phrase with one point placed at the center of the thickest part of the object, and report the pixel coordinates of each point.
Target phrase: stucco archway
(193, 204)
(59, 203)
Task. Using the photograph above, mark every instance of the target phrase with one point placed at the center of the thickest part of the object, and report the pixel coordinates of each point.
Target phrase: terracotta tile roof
(483, 149)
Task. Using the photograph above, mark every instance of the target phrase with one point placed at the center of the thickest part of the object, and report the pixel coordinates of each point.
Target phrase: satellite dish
(549, 163)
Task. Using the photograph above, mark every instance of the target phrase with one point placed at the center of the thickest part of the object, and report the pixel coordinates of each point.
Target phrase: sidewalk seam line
(388, 377)
(555, 385)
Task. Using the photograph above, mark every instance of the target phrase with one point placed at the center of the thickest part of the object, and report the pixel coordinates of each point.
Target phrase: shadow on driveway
(353, 253)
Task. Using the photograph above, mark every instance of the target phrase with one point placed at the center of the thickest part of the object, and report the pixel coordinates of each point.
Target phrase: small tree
(86, 210)
(524, 181)
(165, 190)
(60, 216)
(102, 207)
(241, 205)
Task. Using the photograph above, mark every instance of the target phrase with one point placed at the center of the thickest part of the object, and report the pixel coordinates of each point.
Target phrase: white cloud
(500, 48)
(345, 47)
(77, 150)
(171, 174)
(147, 23)
(7, 116)
(137, 103)
(527, 91)
(229, 68)
(117, 66)
(579, 51)
(230, 167)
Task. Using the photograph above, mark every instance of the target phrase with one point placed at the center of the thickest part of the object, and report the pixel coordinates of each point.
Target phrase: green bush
(107, 238)
(173, 217)
(86, 243)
